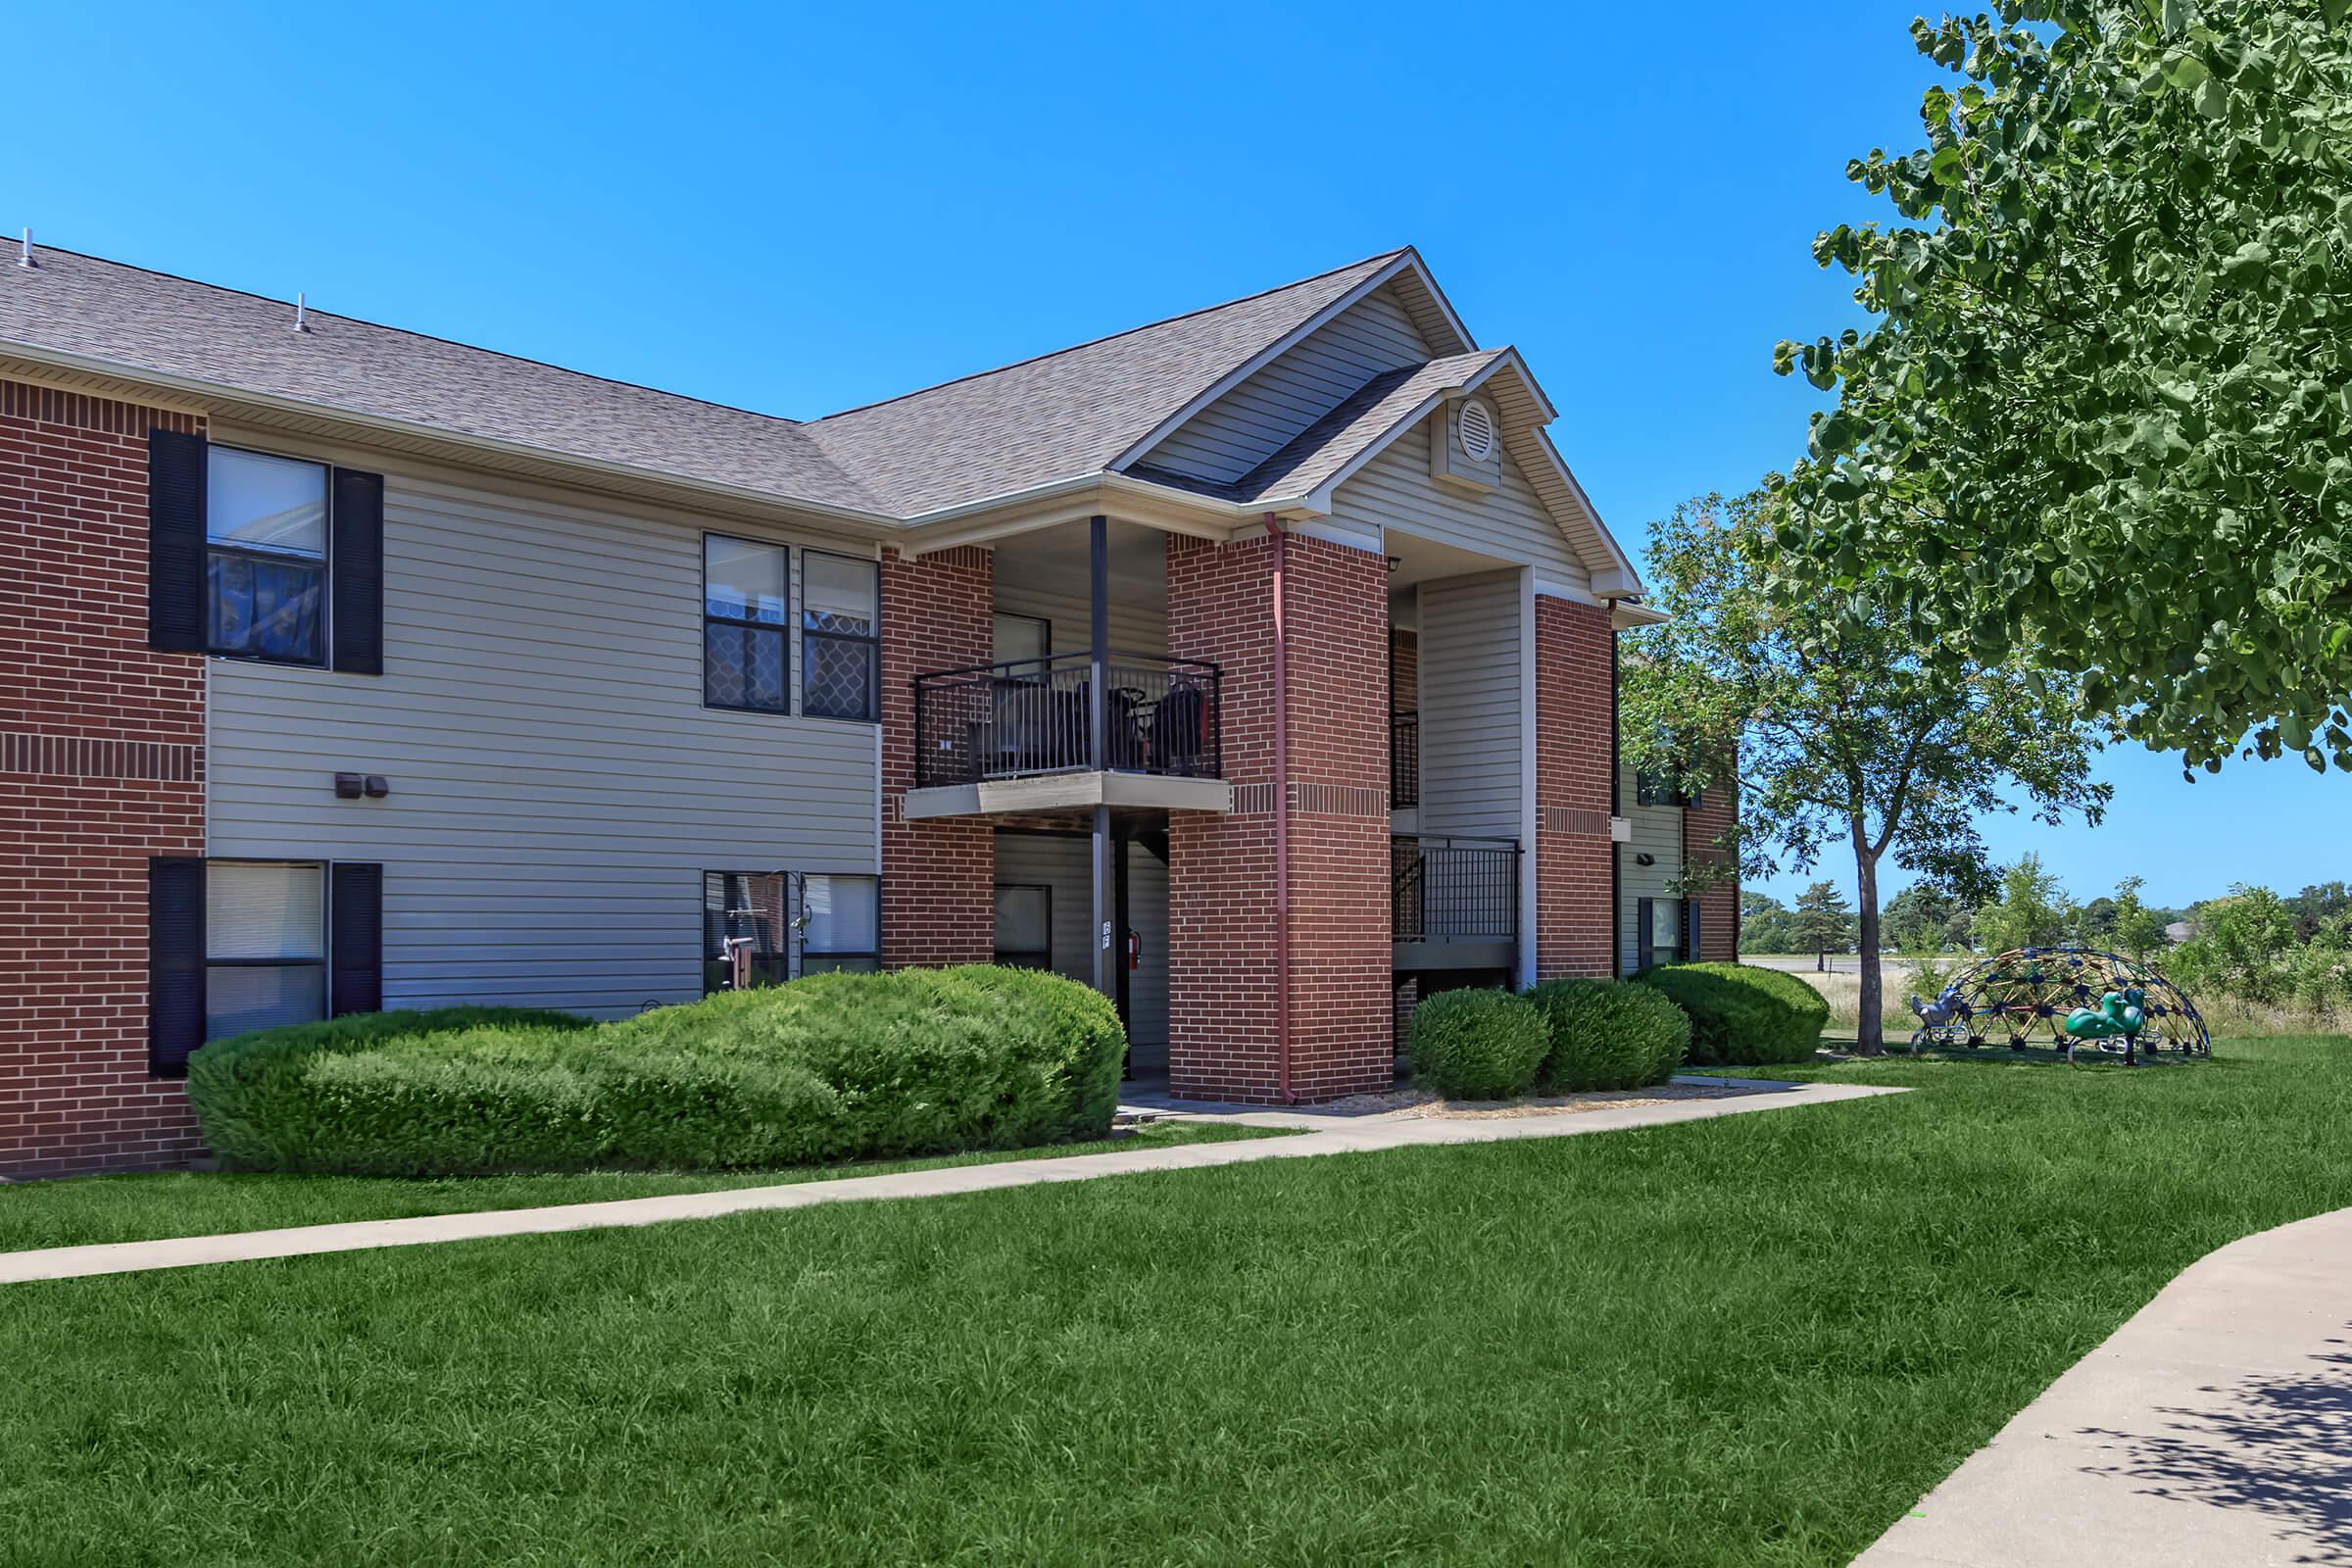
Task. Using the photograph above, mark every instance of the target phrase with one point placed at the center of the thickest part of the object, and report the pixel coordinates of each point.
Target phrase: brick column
(101, 766)
(1223, 1030)
(1704, 827)
(937, 877)
(1573, 891)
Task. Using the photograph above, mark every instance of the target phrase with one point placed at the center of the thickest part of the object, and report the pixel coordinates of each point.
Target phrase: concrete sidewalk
(2214, 1429)
(1331, 1136)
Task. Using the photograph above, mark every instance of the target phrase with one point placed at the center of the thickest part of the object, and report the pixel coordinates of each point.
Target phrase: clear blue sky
(800, 211)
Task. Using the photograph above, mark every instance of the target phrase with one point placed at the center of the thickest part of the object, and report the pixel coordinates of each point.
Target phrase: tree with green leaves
(2244, 945)
(1765, 923)
(2136, 931)
(2318, 904)
(1824, 922)
(2032, 909)
(1832, 721)
(2104, 415)
(1925, 918)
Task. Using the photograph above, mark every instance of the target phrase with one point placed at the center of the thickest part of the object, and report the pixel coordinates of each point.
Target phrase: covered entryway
(1044, 916)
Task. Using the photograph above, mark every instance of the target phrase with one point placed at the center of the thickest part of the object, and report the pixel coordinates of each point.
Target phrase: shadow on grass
(2000, 1054)
(2273, 1445)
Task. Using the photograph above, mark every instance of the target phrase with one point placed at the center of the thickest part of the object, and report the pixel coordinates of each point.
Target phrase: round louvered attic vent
(1474, 427)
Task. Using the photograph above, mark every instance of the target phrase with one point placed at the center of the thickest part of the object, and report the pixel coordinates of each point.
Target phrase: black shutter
(1643, 954)
(355, 938)
(174, 963)
(1690, 953)
(356, 571)
(175, 492)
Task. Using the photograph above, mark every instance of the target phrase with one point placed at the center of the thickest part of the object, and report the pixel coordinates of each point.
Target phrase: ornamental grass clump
(830, 1067)
(1607, 1034)
(1478, 1045)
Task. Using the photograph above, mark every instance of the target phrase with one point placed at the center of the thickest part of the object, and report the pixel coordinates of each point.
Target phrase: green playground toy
(2118, 1016)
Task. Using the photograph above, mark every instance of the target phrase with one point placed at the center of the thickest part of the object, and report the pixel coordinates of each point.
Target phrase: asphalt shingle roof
(1062, 415)
(1065, 413)
(152, 320)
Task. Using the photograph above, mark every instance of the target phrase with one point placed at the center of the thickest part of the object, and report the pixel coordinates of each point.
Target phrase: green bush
(1478, 1045)
(1742, 1014)
(1606, 1034)
(830, 1067)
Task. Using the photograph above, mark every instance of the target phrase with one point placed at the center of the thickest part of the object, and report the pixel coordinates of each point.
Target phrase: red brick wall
(101, 766)
(1704, 827)
(1573, 853)
(1222, 983)
(937, 876)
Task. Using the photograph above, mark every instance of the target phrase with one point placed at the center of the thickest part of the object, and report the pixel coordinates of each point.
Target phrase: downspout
(1282, 815)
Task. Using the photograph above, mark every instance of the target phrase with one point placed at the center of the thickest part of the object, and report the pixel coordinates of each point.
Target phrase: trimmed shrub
(1743, 1014)
(1478, 1045)
(1606, 1034)
(830, 1067)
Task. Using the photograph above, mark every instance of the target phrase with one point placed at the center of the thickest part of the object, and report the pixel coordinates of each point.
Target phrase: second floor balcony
(1038, 718)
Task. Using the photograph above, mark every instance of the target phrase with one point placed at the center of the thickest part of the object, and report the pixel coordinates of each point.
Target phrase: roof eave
(206, 393)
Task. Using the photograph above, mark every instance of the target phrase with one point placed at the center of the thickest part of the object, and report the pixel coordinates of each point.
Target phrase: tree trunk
(1870, 1037)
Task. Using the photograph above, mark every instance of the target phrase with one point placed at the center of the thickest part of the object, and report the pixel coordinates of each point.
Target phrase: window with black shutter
(265, 945)
(261, 557)
(266, 546)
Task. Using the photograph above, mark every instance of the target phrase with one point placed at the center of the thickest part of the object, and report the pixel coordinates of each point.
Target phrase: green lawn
(1748, 1340)
(138, 1208)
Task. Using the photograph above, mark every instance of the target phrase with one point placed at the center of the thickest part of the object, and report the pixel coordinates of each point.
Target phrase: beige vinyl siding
(1061, 862)
(1134, 628)
(1657, 831)
(1393, 491)
(1470, 707)
(1303, 383)
(557, 785)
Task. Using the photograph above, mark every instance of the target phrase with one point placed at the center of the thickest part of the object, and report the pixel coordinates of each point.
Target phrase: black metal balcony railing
(1034, 715)
(1404, 762)
(1443, 889)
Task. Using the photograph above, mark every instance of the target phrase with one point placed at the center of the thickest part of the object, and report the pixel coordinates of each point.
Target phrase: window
(1024, 926)
(744, 908)
(839, 637)
(1659, 931)
(265, 946)
(1658, 788)
(265, 561)
(746, 595)
(840, 923)
(1022, 637)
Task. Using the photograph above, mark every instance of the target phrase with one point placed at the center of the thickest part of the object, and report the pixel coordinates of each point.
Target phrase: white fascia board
(1624, 616)
(1619, 561)
(1548, 588)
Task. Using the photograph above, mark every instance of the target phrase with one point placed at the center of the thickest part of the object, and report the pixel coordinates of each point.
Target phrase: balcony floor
(1054, 792)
